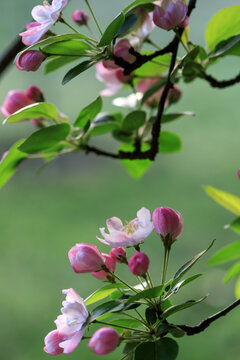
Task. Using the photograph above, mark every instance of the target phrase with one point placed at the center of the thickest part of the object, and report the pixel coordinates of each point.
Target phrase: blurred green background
(43, 216)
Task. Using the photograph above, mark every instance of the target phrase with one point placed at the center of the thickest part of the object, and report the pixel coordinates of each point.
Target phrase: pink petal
(71, 344)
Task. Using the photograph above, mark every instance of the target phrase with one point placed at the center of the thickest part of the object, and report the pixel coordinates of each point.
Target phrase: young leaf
(110, 306)
(187, 266)
(146, 294)
(9, 164)
(163, 349)
(102, 293)
(155, 67)
(234, 271)
(58, 62)
(174, 116)
(182, 283)
(228, 47)
(45, 138)
(175, 308)
(189, 57)
(67, 47)
(235, 225)
(103, 124)
(133, 121)
(34, 111)
(169, 142)
(77, 70)
(130, 20)
(228, 201)
(112, 30)
(237, 288)
(223, 25)
(229, 252)
(89, 113)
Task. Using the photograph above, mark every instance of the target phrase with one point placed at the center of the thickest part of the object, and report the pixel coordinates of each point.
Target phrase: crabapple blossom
(15, 100)
(131, 234)
(52, 341)
(26, 40)
(143, 27)
(238, 174)
(121, 50)
(80, 17)
(168, 14)
(103, 275)
(85, 258)
(45, 16)
(139, 263)
(119, 255)
(168, 223)
(104, 341)
(35, 93)
(30, 60)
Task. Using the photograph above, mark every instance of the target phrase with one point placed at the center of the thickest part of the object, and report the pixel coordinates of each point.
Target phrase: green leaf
(45, 138)
(182, 283)
(237, 288)
(192, 70)
(123, 136)
(130, 20)
(67, 47)
(154, 88)
(34, 111)
(163, 349)
(77, 70)
(147, 294)
(235, 225)
(103, 124)
(58, 62)
(189, 57)
(229, 252)
(135, 4)
(133, 121)
(175, 308)
(112, 30)
(155, 67)
(151, 316)
(101, 293)
(89, 113)
(174, 116)
(169, 142)
(176, 331)
(9, 164)
(228, 201)
(230, 46)
(129, 347)
(187, 266)
(110, 306)
(234, 271)
(223, 25)
(124, 322)
(136, 168)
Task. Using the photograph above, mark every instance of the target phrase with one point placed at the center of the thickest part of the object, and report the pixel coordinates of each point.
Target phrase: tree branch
(192, 330)
(221, 84)
(9, 55)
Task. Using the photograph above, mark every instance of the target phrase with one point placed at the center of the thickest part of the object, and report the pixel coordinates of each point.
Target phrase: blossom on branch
(104, 341)
(169, 14)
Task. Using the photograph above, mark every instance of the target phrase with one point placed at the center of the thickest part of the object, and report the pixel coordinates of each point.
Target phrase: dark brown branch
(9, 55)
(221, 84)
(192, 330)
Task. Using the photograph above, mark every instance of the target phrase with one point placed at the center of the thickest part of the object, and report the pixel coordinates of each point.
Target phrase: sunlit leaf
(228, 201)
(34, 111)
(147, 294)
(89, 113)
(133, 121)
(237, 289)
(169, 142)
(112, 30)
(102, 293)
(175, 308)
(229, 252)
(235, 225)
(67, 47)
(232, 272)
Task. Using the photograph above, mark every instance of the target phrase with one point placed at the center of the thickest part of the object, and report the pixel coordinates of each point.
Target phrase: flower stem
(165, 263)
(122, 281)
(119, 326)
(93, 15)
(135, 318)
(70, 26)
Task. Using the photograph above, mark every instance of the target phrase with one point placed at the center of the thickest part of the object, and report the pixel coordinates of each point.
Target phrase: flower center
(45, 3)
(130, 228)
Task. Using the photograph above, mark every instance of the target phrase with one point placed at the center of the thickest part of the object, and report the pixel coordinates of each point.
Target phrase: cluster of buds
(86, 258)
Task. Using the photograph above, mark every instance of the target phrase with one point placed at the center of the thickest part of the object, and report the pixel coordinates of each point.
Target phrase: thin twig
(221, 84)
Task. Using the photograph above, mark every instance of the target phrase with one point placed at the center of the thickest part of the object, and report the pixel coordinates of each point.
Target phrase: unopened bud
(80, 17)
(30, 60)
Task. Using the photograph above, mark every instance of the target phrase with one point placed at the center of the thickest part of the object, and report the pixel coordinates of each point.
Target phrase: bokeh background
(43, 216)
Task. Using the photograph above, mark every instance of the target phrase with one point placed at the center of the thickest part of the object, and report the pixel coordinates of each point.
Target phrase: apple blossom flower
(35, 93)
(30, 60)
(119, 255)
(168, 223)
(121, 50)
(80, 17)
(15, 100)
(69, 324)
(27, 40)
(168, 14)
(131, 234)
(85, 258)
(103, 275)
(104, 341)
(138, 263)
(238, 174)
(113, 79)
(143, 27)
(52, 341)
(45, 15)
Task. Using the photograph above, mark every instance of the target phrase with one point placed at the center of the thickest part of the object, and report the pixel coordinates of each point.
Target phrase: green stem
(139, 315)
(119, 326)
(122, 281)
(70, 26)
(135, 318)
(165, 264)
(150, 280)
(94, 17)
(91, 32)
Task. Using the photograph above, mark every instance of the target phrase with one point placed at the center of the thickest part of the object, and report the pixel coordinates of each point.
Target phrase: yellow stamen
(45, 3)
(129, 228)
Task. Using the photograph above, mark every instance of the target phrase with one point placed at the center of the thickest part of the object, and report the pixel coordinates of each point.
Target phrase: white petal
(144, 215)
(42, 14)
(114, 223)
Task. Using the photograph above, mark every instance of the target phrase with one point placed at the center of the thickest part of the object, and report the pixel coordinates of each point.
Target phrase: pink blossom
(238, 174)
(121, 50)
(103, 275)
(27, 39)
(119, 255)
(104, 341)
(52, 341)
(80, 17)
(170, 13)
(30, 60)
(69, 324)
(143, 27)
(15, 100)
(168, 223)
(45, 15)
(35, 93)
(85, 258)
(113, 79)
(139, 263)
(144, 85)
(131, 234)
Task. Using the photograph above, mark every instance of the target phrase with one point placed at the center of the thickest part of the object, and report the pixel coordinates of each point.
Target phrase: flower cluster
(86, 258)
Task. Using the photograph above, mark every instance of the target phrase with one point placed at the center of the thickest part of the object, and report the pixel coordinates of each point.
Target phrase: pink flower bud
(121, 49)
(15, 100)
(30, 60)
(104, 341)
(174, 94)
(139, 263)
(80, 17)
(154, 99)
(52, 341)
(110, 264)
(35, 93)
(85, 258)
(119, 255)
(238, 174)
(170, 13)
(168, 224)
